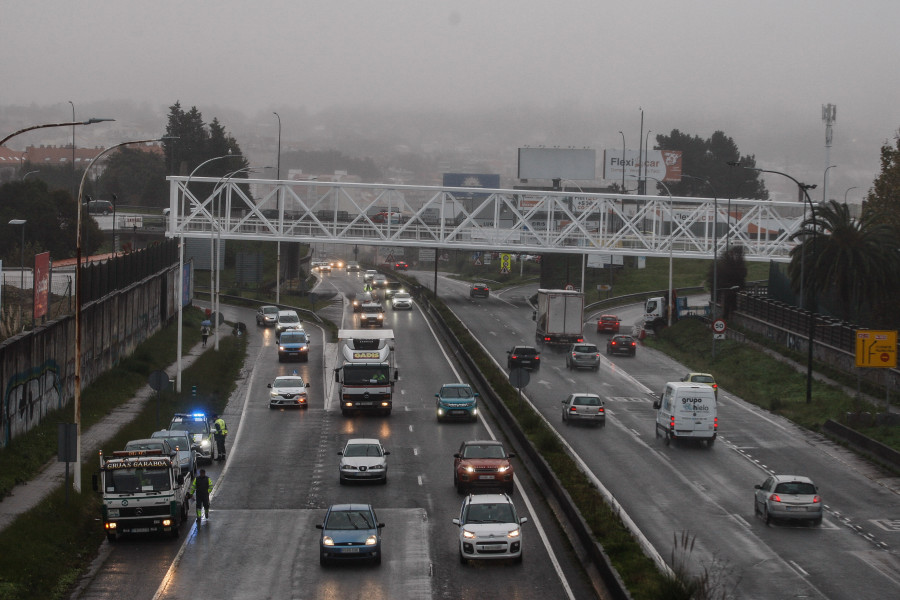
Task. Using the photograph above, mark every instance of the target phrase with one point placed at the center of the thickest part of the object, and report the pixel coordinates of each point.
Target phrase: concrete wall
(37, 368)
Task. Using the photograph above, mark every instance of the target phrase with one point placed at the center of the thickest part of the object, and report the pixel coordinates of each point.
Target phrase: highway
(706, 493)
(281, 474)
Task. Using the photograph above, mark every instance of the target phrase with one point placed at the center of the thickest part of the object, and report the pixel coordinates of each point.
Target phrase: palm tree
(854, 259)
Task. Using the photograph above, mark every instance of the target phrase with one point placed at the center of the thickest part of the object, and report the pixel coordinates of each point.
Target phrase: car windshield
(703, 379)
(585, 348)
(587, 401)
(177, 443)
(293, 338)
(490, 513)
(525, 351)
(349, 519)
(145, 446)
(801, 488)
(401, 296)
(290, 382)
(484, 451)
(270, 310)
(289, 319)
(456, 392)
(359, 374)
(362, 450)
(124, 481)
(191, 426)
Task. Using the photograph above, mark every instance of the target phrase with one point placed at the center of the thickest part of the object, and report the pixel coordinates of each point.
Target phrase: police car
(288, 390)
(202, 438)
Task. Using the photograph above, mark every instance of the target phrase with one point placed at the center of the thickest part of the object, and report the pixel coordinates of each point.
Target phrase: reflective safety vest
(220, 427)
(205, 488)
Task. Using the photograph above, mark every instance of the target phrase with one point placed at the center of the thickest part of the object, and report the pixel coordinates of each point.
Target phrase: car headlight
(376, 468)
(468, 534)
(469, 469)
(514, 533)
(348, 468)
(273, 394)
(503, 469)
(205, 444)
(327, 541)
(440, 411)
(281, 348)
(371, 540)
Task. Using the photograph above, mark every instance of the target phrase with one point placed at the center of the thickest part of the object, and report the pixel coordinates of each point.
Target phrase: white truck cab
(687, 411)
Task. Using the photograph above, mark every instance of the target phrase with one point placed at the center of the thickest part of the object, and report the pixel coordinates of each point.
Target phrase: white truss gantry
(517, 221)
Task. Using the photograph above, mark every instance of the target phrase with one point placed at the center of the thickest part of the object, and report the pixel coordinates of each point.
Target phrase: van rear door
(695, 412)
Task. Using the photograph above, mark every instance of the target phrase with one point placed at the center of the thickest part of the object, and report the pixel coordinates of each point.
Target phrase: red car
(401, 266)
(608, 324)
(483, 464)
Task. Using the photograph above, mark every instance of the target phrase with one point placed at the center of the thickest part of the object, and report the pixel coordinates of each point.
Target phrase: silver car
(266, 316)
(363, 459)
(789, 497)
(584, 407)
(583, 356)
(489, 528)
(180, 440)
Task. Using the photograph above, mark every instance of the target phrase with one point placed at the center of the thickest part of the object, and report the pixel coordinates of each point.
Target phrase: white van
(687, 410)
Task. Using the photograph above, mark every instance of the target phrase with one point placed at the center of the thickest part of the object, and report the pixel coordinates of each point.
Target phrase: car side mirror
(511, 455)
(319, 526)
(307, 385)
(523, 520)
(396, 374)
(757, 487)
(386, 452)
(656, 404)
(456, 522)
(337, 375)
(509, 351)
(380, 525)
(534, 315)
(477, 395)
(270, 385)
(437, 395)
(456, 455)
(180, 479)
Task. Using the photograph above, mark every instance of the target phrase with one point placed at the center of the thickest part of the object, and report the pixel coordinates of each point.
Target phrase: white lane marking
(522, 494)
(419, 479)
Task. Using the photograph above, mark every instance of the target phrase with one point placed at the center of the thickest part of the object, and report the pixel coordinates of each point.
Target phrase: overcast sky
(759, 71)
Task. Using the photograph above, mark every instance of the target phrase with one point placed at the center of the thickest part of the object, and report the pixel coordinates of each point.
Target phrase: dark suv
(523, 357)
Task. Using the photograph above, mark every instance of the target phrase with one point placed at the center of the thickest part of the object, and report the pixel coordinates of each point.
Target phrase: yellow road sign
(876, 348)
(505, 260)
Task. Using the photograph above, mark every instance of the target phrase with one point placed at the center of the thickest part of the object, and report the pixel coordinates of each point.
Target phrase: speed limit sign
(719, 326)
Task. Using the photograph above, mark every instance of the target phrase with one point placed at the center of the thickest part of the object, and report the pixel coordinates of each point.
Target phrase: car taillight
(580, 339)
(537, 358)
(672, 422)
(597, 355)
(573, 409)
(715, 422)
(514, 357)
(602, 409)
(816, 500)
(574, 354)
(612, 343)
(775, 498)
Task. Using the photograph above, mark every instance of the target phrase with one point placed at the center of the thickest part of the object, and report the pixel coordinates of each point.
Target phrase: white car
(489, 528)
(287, 319)
(401, 300)
(363, 459)
(369, 275)
(180, 440)
(288, 390)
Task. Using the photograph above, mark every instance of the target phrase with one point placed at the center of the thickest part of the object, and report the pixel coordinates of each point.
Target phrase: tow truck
(143, 491)
(368, 373)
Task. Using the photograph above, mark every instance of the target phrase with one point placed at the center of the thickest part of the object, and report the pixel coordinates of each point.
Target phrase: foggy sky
(759, 71)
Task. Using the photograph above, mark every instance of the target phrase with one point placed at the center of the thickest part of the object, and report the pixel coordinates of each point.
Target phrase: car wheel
(755, 507)
(462, 559)
(323, 561)
(608, 352)
(817, 521)
(341, 480)
(710, 442)
(668, 438)
(384, 481)
(345, 413)
(766, 515)
(377, 559)
(518, 560)
(280, 359)
(111, 537)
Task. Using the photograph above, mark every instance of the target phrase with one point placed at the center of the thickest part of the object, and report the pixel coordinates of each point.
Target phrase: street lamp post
(825, 183)
(278, 207)
(73, 148)
(33, 127)
(715, 309)
(77, 399)
(22, 250)
(670, 309)
(803, 187)
(29, 173)
(115, 246)
(623, 161)
(845, 193)
(180, 335)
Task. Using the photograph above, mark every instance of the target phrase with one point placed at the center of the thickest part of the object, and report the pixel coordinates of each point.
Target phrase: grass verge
(47, 549)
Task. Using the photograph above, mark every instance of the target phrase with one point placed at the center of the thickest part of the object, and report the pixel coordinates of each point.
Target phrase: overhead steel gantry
(517, 221)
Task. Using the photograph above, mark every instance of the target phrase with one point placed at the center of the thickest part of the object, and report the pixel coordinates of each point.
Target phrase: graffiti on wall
(29, 395)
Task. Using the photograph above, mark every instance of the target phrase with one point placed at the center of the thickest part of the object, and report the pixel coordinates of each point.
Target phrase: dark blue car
(350, 532)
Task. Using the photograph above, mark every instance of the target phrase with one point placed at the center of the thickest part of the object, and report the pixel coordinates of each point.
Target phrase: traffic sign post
(719, 326)
(876, 349)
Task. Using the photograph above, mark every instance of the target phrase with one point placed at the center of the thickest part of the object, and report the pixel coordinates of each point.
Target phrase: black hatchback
(621, 344)
(523, 357)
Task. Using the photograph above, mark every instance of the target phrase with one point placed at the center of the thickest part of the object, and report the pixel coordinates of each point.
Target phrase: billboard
(41, 285)
(664, 165)
(558, 163)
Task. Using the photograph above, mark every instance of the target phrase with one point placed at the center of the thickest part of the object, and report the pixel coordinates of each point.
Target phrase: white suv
(489, 528)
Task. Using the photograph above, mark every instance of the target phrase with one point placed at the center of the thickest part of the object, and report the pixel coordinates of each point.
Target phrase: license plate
(485, 477)
(140, 530)
(364, 404)
(795, 508)
(349, 550)
(457, 412)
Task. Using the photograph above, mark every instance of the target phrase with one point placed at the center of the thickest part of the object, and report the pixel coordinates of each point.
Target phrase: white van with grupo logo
(687, 410)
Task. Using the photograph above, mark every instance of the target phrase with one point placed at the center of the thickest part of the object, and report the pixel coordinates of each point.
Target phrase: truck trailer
(559, 317)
